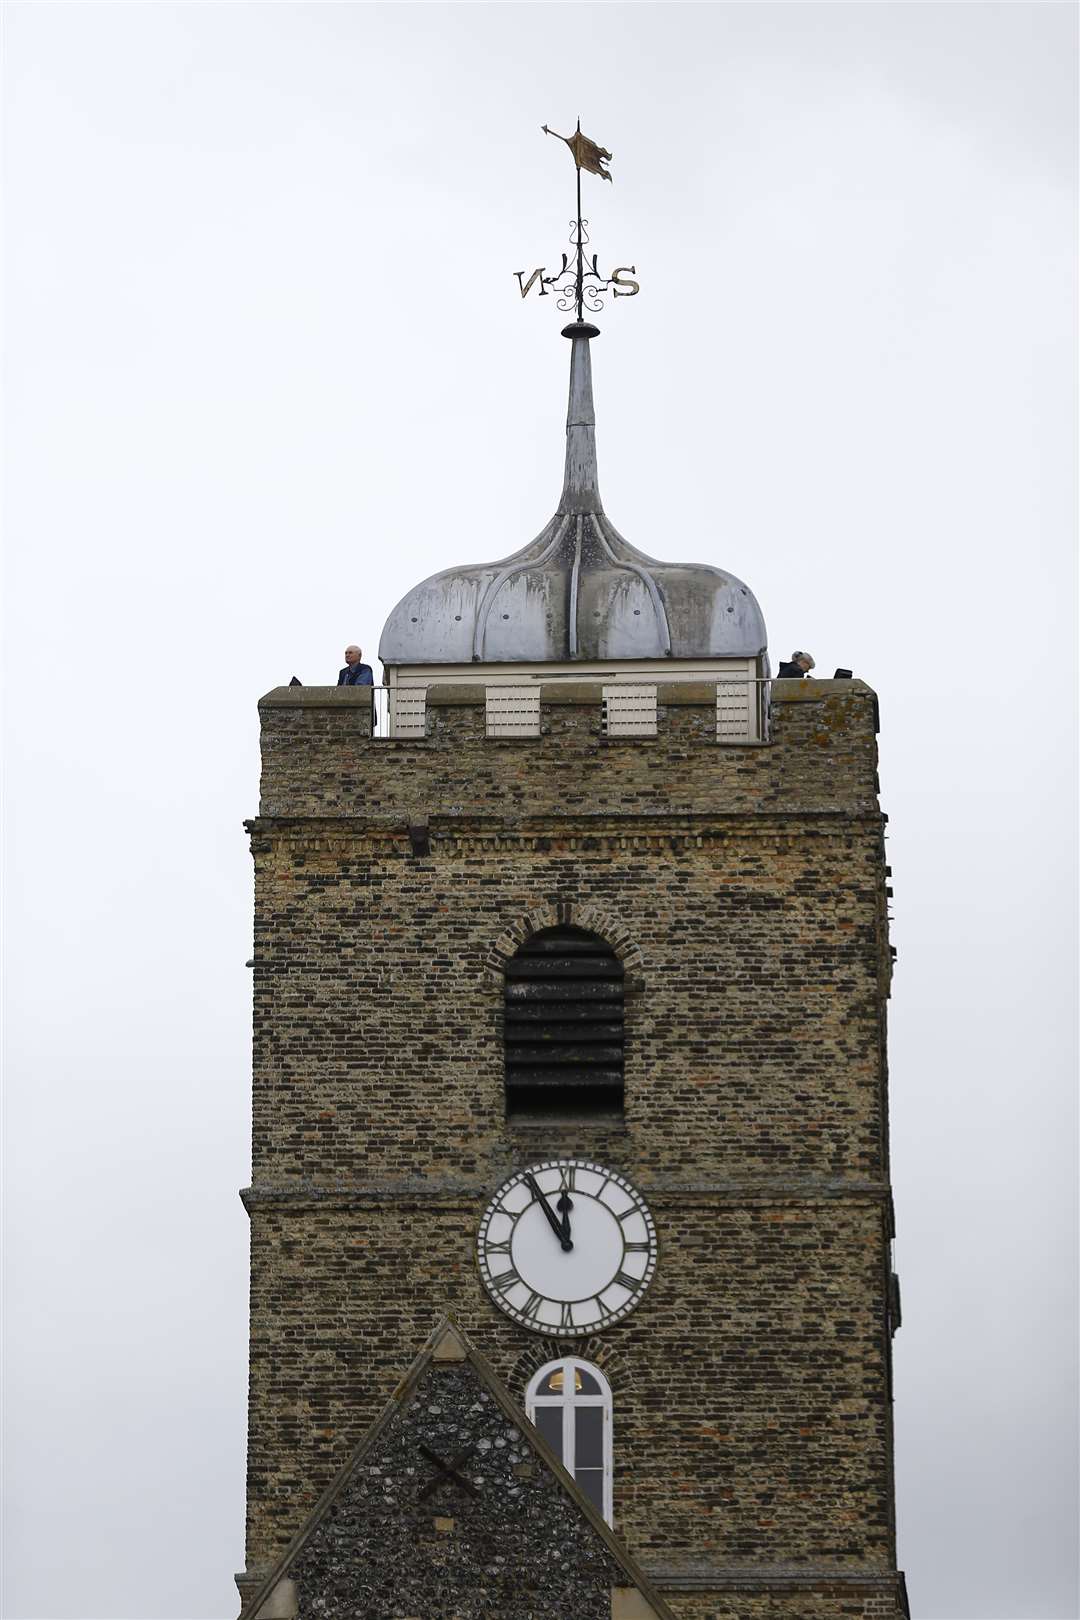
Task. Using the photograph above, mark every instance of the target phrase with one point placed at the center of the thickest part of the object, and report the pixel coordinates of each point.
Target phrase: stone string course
(744, 889)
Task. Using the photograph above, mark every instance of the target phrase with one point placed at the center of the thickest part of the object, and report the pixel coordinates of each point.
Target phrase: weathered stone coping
(448, 694)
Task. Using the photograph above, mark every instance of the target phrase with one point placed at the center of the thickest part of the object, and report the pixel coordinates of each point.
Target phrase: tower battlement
(819, 756)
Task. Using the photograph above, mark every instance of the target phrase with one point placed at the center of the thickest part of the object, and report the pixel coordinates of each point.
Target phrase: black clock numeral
(566, 1316)
(605, 1310)
(626, 1214)
(503, 1248)
(632, 1283)
(566, 1182)
(532, 1305)
(637, 1248)
(505, 1280)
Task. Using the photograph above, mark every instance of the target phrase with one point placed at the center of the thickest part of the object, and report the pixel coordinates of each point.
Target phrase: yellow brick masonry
(744, 889)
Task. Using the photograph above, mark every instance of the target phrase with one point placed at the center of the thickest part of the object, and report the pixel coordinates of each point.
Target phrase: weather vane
(578, 284)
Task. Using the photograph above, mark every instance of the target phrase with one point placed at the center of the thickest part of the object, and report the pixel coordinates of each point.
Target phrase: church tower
(570, 977)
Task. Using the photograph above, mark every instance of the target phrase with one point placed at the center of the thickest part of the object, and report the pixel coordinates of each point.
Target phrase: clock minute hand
(561, 1229)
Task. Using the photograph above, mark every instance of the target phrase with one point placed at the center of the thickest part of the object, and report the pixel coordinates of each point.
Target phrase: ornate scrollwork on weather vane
(578, 284)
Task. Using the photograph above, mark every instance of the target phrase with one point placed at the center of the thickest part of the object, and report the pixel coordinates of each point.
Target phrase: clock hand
(565, 1205)
(561, 1228)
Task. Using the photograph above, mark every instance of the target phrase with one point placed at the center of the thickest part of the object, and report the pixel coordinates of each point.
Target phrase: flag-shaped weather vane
(587, 155)
(578, 284)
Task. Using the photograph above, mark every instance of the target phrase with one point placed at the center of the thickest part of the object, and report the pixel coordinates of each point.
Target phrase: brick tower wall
(744, 889)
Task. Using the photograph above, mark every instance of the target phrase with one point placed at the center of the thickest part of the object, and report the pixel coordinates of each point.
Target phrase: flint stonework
(516, 1549)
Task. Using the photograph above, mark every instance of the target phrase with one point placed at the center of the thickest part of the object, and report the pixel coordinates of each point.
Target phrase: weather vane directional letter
(578, 284)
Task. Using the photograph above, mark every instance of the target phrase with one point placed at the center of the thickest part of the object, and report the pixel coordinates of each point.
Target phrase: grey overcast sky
(266, 367)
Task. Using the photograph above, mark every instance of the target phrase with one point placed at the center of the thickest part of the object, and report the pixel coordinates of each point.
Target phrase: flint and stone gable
(453, 1497)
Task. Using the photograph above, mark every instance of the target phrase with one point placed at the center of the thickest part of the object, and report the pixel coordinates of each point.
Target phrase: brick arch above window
(615, 1368)
(611, 929)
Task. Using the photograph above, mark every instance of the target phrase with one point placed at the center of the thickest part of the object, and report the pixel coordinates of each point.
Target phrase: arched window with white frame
(569, 1401)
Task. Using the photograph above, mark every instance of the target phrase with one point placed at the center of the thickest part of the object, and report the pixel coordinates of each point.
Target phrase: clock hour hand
(561, 1228)
(564, 1206)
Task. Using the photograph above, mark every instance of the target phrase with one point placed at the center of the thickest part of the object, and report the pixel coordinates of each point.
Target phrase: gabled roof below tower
(452, 1505)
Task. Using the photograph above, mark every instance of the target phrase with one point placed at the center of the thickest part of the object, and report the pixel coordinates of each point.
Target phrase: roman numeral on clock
(624, 1281)
(637, 1248)
(532, 1305)
(566, 1316)
(505, 1280)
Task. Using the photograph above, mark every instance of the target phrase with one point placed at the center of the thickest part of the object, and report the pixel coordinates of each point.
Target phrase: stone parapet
(320, 758)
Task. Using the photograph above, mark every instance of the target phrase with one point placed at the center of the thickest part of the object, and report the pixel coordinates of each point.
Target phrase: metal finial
(578, 284)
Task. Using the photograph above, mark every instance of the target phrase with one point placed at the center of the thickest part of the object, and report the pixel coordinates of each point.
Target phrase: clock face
(566, 1246)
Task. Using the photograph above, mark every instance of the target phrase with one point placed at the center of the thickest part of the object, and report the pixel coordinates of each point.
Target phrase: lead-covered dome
(579, 590)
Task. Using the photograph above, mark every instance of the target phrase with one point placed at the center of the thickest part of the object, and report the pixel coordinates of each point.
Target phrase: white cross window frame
(569, 1401)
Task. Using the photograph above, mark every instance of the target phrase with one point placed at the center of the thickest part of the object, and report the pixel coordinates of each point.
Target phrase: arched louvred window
(563, 1027)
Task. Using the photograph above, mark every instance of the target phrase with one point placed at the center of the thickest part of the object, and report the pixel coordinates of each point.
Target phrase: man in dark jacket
(801, 664)
(355, 673)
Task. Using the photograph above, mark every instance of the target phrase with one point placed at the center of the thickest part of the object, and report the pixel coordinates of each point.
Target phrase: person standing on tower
(355, 673)
(799, 666)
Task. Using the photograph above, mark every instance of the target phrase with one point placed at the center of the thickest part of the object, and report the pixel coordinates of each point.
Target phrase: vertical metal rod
(580, 252)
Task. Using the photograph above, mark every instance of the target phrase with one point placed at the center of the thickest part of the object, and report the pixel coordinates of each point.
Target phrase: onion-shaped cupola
(579, 591)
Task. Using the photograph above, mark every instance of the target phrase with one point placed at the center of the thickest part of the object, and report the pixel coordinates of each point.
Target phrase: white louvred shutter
(629, 711)
(408, 711)
(736, 709)
(513, 711)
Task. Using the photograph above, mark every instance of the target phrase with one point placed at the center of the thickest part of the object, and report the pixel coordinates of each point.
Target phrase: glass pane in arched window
(589, 1452)
(549, 1420)
(584, 1383)
(591, 1481)
(589, 1437)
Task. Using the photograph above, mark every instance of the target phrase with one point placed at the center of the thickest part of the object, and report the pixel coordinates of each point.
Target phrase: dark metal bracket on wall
(419, 838)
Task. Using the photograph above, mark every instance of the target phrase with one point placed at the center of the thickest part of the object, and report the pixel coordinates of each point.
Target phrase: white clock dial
(566, 1246)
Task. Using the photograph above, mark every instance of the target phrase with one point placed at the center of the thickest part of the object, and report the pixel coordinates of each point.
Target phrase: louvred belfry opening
(563, 1026)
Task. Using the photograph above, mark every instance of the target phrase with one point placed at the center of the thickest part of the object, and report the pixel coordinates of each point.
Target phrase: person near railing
(800, 665)
(355, 673)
